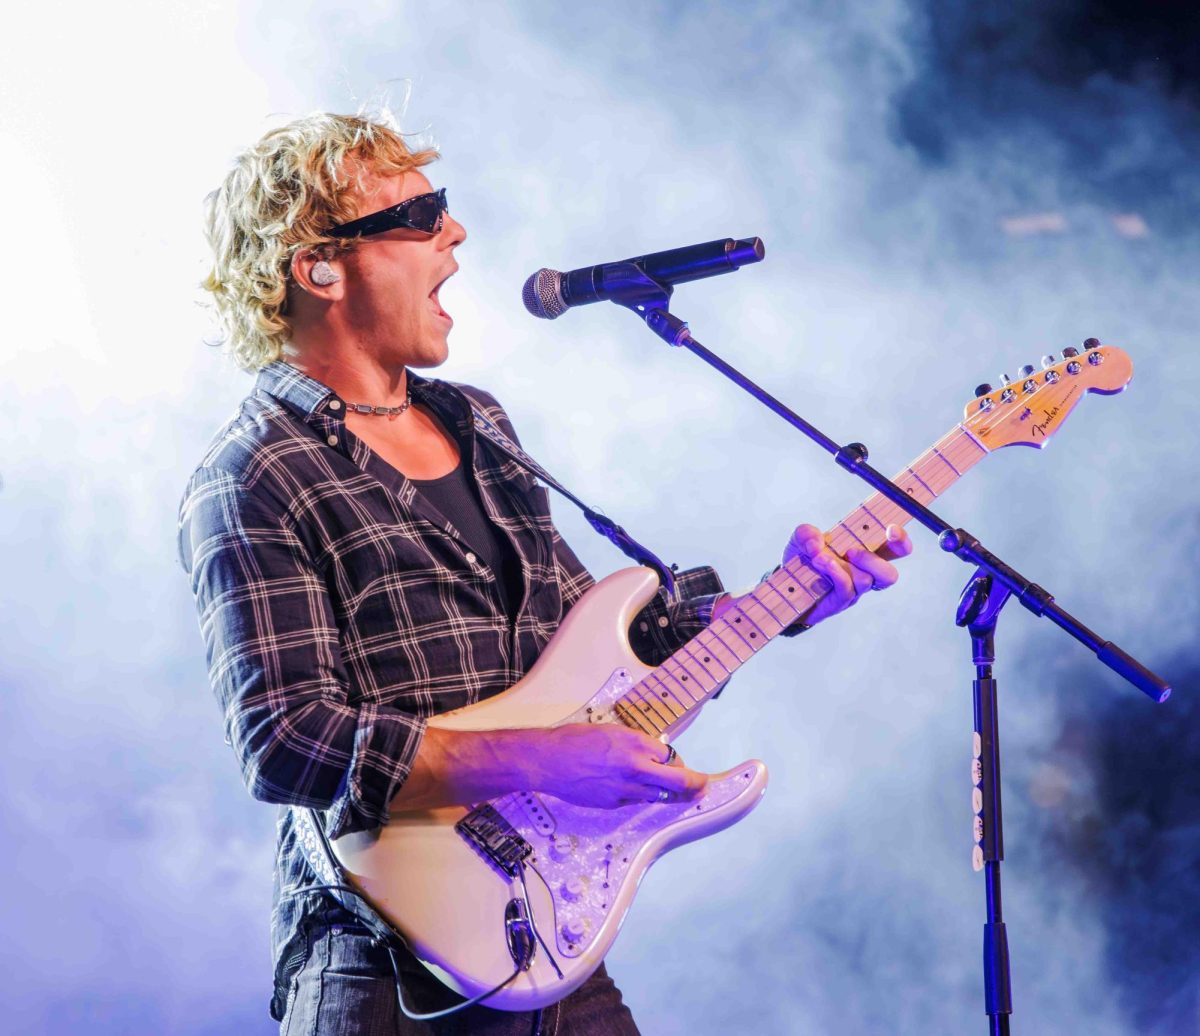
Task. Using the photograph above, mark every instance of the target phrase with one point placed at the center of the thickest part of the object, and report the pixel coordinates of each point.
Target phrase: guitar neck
(687, 679)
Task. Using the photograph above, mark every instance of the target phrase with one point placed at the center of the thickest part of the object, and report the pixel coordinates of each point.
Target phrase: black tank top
(456, 497)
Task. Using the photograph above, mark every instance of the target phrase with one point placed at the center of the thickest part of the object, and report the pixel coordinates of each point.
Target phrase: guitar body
(449, 899)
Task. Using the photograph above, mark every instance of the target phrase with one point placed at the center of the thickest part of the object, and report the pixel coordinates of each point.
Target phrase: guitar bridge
(494, 838)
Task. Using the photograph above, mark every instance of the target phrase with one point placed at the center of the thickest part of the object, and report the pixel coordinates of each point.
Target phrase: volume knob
(572, 890)
(561, 849)
(574, 930)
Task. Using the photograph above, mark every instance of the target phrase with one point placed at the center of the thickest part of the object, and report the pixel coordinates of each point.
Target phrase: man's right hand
(603, 765)
(607, 765)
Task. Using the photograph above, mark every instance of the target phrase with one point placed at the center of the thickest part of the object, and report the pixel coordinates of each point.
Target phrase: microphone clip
(628, 285)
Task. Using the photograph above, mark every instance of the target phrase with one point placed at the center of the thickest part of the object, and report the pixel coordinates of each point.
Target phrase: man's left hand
(858, 573)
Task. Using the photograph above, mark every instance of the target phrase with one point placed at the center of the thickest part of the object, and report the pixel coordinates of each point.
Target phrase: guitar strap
(604, 525)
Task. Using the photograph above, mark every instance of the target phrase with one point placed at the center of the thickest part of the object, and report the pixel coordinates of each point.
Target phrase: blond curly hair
(282, 194)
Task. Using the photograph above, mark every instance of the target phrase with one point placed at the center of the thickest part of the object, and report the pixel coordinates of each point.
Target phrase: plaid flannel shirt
(340, 610)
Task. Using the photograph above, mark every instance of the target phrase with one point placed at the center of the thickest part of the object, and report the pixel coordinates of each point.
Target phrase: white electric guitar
(535, 888)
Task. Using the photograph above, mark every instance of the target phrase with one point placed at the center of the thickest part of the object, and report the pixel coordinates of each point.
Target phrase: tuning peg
(1047, 360)
(982, 390)
(1091, 343)
(1025, 371)
(1005, 379)
(1070, 351)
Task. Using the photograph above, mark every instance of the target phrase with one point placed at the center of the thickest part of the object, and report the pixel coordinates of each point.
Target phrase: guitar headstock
(1030, 409)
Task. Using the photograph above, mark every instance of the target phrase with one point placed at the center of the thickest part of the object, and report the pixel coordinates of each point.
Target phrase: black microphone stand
(993, 583)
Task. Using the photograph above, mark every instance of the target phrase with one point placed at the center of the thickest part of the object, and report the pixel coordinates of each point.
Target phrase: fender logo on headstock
(1039, 427)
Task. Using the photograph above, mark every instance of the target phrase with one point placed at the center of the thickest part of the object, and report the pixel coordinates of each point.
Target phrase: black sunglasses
(423, 213)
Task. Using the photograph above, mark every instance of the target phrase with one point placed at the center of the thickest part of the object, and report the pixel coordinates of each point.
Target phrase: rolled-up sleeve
(274, 662)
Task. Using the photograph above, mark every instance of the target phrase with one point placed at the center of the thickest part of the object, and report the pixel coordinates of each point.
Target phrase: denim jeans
(346, 987)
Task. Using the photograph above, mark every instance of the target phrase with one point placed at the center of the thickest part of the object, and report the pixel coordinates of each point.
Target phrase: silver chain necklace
(391, 412)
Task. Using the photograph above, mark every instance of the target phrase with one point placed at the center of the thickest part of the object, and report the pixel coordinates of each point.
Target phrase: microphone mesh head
(542, 295)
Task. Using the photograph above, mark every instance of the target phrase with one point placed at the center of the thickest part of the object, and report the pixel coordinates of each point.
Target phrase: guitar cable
(383, 932)
(386, 943)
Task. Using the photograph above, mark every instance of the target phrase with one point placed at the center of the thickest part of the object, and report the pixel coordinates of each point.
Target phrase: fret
(748, 635)
(753, 607)
(924, 485)
(681, 681)
(792, 581)
(693, 676)
(632, 717)
(647, 702)
(934, 474)
(674, 705)
(796, 612)
(684, 695)
(939, 453)
(701, 660)
(971, 436)
(855, 536)
(871, 534)
(650, 693)
(739, 641)
(710, 649)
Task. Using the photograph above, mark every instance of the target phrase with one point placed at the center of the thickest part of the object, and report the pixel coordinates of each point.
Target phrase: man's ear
(319, 272)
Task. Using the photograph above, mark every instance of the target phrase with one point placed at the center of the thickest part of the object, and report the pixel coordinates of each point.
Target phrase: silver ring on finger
(671, 755)
(663, 795)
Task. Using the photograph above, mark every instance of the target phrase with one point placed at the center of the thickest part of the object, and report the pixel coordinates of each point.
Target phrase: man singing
(362, 560)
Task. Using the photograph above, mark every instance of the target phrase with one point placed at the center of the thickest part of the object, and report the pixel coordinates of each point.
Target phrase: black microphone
(549, 294)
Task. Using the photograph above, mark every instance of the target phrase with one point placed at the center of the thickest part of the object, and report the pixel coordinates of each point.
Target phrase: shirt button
(644, 627)
(470, 558)
(335, 404)
(663, 621)
(332, 440)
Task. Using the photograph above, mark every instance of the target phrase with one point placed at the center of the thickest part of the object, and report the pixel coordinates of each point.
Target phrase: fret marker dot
(752, 636)
(707, 659)
(685, 679)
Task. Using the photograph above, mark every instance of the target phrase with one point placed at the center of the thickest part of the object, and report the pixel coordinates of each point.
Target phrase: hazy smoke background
(946, 191)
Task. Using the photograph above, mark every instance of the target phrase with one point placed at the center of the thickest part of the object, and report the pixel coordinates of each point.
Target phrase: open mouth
(433, 297)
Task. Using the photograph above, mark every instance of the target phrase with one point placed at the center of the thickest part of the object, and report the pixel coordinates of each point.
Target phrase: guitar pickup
(494, 838)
